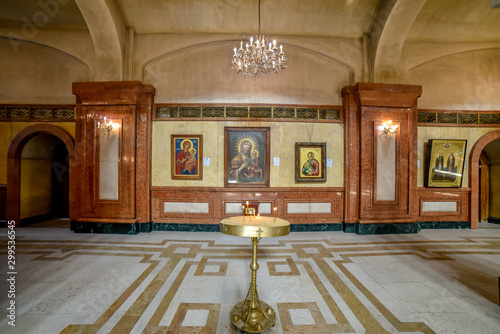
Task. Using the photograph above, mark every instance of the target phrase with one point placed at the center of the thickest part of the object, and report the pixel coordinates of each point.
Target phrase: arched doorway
(474, 176)
(492, 153)
(13, 210)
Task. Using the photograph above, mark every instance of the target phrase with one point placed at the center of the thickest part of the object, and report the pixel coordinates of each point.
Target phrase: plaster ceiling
(439, 20)
(456, 20)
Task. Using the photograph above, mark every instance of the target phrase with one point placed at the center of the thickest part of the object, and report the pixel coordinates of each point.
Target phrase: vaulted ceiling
(395, 41)
(437, 20)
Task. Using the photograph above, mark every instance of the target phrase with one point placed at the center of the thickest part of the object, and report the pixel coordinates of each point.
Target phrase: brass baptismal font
(252, 314)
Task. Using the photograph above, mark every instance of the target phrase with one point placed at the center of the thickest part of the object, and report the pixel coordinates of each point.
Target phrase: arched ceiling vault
(107, 28)
(391, 27)
(388, 35)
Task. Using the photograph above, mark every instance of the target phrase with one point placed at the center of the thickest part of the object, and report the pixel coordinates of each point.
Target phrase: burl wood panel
(365, 106)
(456, 195)
(131, 103)
(218, 197)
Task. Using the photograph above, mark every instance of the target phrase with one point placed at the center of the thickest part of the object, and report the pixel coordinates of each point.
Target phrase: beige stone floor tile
(444, 281)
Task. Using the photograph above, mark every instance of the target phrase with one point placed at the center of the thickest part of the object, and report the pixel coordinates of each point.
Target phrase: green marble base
(444, 225)
(315, 227)
(108, 228)
(367, 229)
(401, 228)
(494, 220)
(361, 229)
(186, 227)
(145, 227)
(349, 227)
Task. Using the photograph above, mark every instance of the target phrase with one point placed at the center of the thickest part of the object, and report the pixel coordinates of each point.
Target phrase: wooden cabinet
(381, 167)
(113, 162)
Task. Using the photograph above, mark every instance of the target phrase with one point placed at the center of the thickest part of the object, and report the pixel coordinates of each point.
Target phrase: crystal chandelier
(259, 57)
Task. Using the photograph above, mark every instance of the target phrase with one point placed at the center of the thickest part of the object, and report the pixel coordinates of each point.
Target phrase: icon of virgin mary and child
(245, 166)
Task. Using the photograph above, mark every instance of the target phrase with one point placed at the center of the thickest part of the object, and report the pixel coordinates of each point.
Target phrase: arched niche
(36, 73)
(464, 80)
(203, 74)
(16, 146)
(474, 174)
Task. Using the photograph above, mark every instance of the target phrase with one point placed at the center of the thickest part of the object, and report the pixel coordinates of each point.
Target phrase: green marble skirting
(110, 228)
(494, 220)
(444, 225)
(361, 229)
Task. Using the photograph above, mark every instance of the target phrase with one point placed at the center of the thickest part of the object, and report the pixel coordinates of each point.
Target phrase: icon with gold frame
(445, 163)
(310, 161)
(187, 157)
(246, 156)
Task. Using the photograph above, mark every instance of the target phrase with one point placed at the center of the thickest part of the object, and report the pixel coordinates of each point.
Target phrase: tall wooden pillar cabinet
(113, 163)
(380, 175)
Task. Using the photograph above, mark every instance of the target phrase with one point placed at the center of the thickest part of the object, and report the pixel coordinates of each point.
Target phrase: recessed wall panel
(109, 164)
(386, 166)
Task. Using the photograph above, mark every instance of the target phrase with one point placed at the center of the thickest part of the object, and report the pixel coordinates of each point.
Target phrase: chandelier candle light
(259, 57)
(389, 128)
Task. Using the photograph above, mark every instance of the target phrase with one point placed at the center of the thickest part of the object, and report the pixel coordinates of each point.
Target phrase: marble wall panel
(311, 206)
(235, 208)
(386, 166)
(439, 206)
(109, 164)
(186, 207)
(265, 208)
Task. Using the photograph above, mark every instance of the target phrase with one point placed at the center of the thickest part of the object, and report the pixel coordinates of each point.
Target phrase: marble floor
(436, 281)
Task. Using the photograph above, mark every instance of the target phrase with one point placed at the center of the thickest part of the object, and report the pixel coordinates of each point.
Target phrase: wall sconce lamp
(107, 126)
(389, 128)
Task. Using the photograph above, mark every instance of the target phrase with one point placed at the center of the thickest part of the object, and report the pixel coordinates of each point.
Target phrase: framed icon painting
(246, 156)
(310, 161)
(445, 163)
(187, 157)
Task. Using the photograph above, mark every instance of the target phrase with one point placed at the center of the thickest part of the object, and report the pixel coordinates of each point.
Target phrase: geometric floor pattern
(436, 281)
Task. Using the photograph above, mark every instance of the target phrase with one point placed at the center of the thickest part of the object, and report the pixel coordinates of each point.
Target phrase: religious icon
(445, 163)
(186, 157)
(246, 156)
(310, 159)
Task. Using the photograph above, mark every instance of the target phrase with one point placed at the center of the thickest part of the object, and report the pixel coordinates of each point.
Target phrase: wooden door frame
(484, 180)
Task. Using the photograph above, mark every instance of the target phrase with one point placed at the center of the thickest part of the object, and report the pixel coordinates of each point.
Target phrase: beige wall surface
(284, 135)
(36, 175)
(433, 132)
(495, 191)
(8, 130)
(32, 74)
(36, 187)
(198, 70)
(465, 80)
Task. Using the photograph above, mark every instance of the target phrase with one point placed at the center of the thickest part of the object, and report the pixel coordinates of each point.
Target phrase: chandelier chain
(259, 57)
(259, 17)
